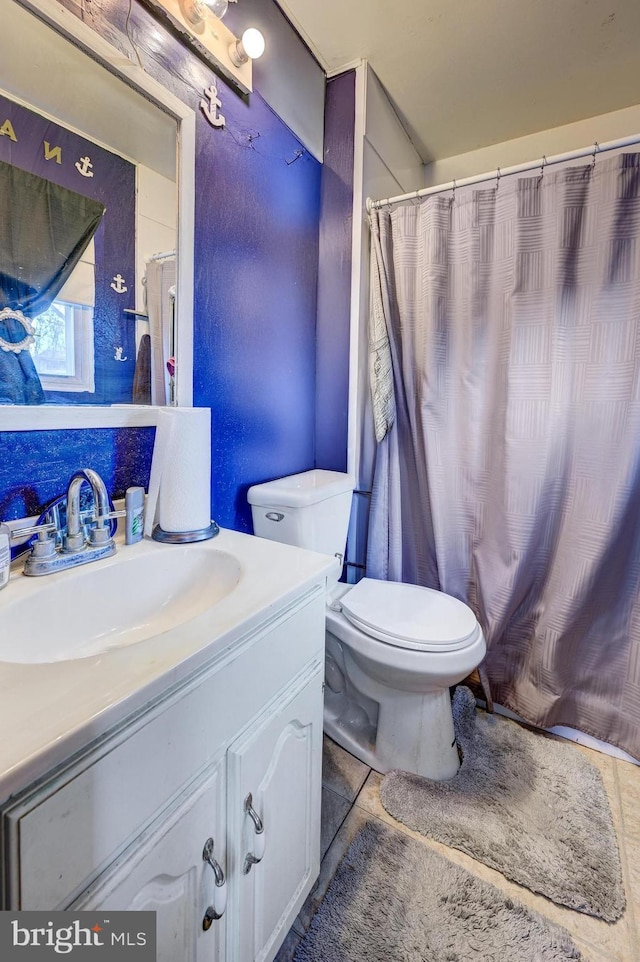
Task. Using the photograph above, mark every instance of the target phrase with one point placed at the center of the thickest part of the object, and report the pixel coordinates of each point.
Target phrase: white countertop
(48, 711)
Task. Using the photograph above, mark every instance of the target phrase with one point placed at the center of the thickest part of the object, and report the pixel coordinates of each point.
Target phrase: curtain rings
(498, 176)
(542, 167)
(596, 148)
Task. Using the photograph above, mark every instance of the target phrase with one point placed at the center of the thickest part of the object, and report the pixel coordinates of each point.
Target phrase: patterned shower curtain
(509, 473)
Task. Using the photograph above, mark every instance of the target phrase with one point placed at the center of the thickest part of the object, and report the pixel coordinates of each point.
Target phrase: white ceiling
(463, 74)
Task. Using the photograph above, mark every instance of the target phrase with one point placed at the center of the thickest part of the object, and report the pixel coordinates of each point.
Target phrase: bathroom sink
(128, 598)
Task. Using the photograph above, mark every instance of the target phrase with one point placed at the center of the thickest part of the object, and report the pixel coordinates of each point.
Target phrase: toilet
(392, 650)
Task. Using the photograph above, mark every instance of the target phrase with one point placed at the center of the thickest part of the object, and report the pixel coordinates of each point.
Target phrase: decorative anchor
(210, 108)
(118, 284)
(83, 166)
(118, 355)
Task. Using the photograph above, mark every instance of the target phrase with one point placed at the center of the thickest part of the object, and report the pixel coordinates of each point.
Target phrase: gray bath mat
(529, 806)
(394, 900)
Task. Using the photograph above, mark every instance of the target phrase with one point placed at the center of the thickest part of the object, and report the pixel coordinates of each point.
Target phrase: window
(63, 352)
(63, 348)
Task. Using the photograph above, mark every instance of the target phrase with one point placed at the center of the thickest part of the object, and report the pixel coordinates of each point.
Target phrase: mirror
(68, 120)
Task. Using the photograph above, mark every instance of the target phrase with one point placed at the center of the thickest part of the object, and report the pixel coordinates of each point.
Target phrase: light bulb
(251, 46)
(197, 10)
(253, 43)
(218, 7)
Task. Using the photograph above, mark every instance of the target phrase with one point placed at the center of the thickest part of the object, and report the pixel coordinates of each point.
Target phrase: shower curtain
(508, 465)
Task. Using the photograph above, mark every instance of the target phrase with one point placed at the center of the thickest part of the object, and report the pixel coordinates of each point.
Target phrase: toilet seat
(410, 616)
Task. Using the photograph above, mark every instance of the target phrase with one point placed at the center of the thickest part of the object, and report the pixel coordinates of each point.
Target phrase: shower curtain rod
(591, 151)
(161, 257)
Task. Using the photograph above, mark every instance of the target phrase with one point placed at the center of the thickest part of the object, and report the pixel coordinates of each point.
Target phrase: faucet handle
(121, 513)
(92, 517)
(45, 545)
(42, 530)
(100, 533)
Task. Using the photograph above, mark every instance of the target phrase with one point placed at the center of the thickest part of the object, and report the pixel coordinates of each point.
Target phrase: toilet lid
(410, 616)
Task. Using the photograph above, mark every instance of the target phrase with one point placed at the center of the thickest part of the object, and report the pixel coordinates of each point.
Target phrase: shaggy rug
(527, 805)
(394, 899)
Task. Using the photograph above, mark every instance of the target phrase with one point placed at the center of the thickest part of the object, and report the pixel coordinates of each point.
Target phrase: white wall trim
(345, 68)
(37, 417)
(357, 240)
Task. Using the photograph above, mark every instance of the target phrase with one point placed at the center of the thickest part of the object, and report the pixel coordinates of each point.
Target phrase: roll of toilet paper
(180, 483)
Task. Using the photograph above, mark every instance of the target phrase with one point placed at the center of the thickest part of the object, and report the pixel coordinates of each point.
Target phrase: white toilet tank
(309, 510)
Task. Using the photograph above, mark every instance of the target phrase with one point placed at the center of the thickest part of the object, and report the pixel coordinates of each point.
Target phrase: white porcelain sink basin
(128, 598)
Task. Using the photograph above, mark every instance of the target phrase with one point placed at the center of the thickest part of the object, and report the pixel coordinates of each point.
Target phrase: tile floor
(350, 796)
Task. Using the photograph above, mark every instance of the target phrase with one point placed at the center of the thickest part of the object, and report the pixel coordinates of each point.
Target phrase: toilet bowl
(392, 650)
(389, 672)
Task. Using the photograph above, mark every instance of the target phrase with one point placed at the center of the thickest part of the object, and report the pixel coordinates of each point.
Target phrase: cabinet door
(278, 762)
(164, 871)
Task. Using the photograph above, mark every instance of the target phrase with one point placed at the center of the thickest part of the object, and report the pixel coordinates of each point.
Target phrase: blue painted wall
(255, 307)
(257, 204)
(36, 465)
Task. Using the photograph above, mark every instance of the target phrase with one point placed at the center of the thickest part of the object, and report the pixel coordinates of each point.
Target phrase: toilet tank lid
(299, 490)
(409, 615)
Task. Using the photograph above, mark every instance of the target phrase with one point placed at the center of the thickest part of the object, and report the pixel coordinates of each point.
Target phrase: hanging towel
(142, 374)
(380, 369)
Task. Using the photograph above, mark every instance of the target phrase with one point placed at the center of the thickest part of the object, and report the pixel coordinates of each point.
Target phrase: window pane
(53, 351)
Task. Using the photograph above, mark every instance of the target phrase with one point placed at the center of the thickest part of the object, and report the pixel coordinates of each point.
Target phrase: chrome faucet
(45, 556)
(75, 540)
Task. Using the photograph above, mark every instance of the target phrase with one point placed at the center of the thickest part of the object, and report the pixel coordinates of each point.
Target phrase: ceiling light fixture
(199, 24)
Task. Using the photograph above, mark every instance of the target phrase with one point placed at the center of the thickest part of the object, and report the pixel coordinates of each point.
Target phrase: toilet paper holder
(185, 537)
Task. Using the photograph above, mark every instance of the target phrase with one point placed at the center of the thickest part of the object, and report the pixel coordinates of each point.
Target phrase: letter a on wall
(7, 131)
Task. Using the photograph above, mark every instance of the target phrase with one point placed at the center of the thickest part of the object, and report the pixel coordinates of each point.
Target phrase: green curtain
(44, 230)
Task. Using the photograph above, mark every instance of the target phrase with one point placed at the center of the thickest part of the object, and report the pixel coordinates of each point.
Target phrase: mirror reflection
(88, 213)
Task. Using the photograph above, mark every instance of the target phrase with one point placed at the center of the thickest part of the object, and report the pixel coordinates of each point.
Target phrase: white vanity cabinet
(235, 748)
(273, 768)
(164, 871)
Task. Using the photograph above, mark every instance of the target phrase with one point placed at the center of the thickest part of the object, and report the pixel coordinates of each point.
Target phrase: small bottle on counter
(5, 557)
(134, 515)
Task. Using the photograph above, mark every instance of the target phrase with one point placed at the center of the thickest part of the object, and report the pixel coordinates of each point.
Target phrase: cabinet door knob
(215, 911)
(252, 858)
